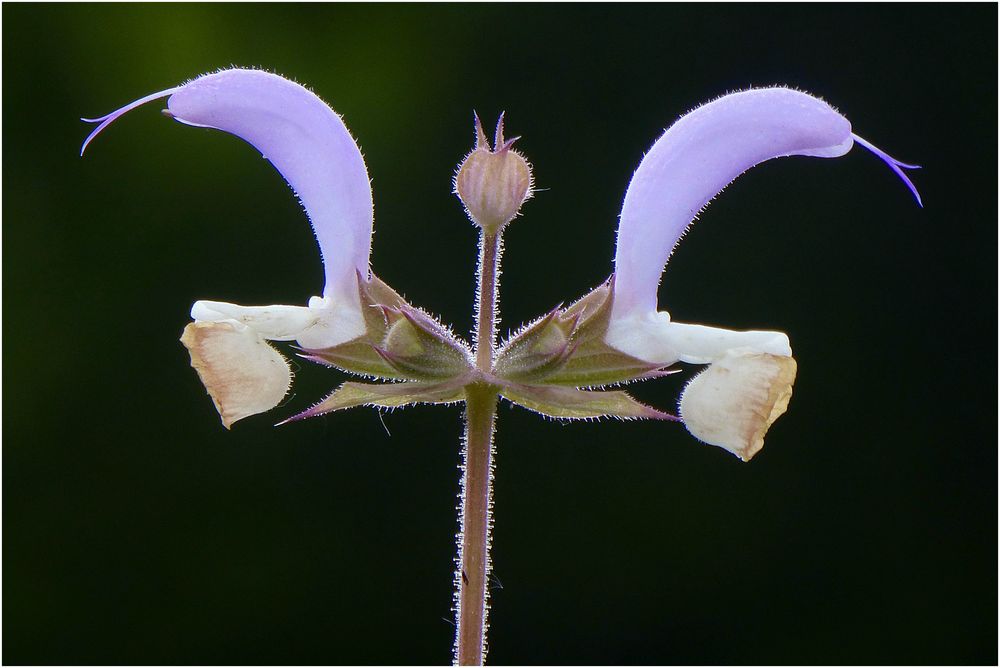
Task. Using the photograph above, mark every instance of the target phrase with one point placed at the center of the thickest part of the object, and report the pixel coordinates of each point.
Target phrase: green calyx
(555, 365)
(421, 348)
(566, 347)
(551, 365)
(401, 342)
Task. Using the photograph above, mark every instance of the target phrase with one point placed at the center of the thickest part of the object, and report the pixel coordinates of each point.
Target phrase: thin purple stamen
(107, 120)
(894, 165)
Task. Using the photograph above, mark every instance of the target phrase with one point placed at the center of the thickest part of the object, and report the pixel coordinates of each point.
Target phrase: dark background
(137, 530)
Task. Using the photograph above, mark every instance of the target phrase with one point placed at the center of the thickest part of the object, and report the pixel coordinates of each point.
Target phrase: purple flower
(310, 146)
(560, 365)
(749, 381)
(614, 335)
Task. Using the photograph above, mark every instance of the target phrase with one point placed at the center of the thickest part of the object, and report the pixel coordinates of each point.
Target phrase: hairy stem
(477, 472)
(486, 291)
(474, 557)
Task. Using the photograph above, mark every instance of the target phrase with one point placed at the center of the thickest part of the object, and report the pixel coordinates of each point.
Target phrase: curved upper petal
(305, 140)
(695, 159)
(309, 144)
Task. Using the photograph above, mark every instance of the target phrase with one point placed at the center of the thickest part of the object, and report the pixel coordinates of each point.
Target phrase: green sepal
(597, 365)
(373, 355)
(535, 352)
(390, 395)
(534, 355)
(358, 356)
(420, 348)
(573, 404)
(376, 298)
(588, 317)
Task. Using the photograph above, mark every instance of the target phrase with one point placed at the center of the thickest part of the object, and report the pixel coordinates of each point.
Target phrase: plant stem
(486, 309)
(474, 555)
(477, 471)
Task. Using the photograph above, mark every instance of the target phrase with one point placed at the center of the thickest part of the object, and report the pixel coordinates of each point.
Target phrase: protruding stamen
(107, 120)
(894, 165)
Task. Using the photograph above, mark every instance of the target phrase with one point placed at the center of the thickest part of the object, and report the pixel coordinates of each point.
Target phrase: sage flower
(312, 149)
(615, 334)
(564, 364)
(749, 380)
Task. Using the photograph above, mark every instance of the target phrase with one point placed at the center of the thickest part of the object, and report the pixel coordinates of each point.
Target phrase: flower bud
(494, 182)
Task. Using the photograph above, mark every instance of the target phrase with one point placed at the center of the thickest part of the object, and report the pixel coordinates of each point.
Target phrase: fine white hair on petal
(695, 159)
(305, 140)
(309, 145)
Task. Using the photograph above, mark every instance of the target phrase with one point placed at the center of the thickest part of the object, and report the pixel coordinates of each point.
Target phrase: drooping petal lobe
(735, 401)
(655, 339)
(305, 140)
(695, 159)
(243, 374)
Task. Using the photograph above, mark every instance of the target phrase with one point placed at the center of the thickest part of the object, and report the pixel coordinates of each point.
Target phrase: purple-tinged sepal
(421, 348)
(536, 351)
(358, 355)
(567, 347)
(388, 395)
(568, 403)
(552, 365)
(401, 342)
(594, 363)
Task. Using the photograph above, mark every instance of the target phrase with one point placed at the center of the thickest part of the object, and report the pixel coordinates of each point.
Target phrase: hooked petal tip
(896, 166)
